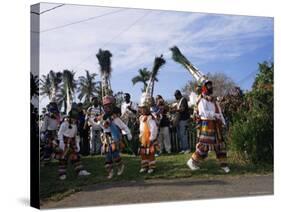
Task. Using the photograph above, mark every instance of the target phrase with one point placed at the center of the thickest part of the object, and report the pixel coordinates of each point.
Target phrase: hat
(145, 100)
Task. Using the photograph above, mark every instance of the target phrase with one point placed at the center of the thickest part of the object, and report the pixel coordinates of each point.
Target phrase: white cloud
(202, 37)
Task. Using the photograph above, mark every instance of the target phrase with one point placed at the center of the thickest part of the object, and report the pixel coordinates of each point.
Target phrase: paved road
(167, 190)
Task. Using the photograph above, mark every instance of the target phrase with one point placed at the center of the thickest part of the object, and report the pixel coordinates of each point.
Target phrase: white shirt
(65, 131)
(207, 110)
(125, 105)
(151, 125)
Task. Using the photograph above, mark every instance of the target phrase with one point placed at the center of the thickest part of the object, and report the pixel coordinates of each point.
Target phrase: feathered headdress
(103, 57)
(146, 98)
(180, 58)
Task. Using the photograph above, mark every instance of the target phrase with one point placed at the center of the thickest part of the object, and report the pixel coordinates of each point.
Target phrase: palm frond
(137, 79)
(34, 85)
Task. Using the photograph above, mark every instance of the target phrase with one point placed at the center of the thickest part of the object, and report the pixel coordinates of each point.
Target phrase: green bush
(251, 130)
(253, 138)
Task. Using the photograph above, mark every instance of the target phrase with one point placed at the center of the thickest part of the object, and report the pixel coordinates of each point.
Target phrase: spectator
(164, 132)
(93, 113)
(182, 117)
(82, 131)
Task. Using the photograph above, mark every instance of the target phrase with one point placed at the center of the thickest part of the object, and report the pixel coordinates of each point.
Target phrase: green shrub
(251, 130)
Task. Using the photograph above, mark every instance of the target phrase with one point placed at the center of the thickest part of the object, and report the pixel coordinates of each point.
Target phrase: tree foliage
(251, 131)
(143, 77)
(87, 87)
(221, 82)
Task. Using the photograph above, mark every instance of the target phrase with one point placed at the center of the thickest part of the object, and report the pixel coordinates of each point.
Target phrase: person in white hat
(148, 136)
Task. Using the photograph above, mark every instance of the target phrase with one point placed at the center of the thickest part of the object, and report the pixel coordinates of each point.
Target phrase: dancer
(209, 135)
(69, 146)
(111, 137)
(148, 136)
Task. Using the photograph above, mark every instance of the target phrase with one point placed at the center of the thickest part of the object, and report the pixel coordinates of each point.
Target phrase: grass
(168, 167)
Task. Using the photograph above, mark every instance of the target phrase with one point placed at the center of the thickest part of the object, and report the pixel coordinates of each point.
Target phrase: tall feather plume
(103, 57)
(158, 62)
(180, 58)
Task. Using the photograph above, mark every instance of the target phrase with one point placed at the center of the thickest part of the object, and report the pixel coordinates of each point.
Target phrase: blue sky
(214, 43)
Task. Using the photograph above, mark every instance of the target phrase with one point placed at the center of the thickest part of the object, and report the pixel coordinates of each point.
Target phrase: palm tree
(50, 85)
(34, 85)
(144, 76)
(65, 97)
(87, 86)
(105, 70)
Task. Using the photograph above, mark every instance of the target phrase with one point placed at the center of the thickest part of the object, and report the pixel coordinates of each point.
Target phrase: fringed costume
(111, 137)
(69, 146)
(148, 137)
(49, 132)
(209, 133)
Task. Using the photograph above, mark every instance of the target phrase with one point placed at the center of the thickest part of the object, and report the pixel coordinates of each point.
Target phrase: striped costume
(111, 148)
(70, 152)
(209, 132)
(111, 143)
(69, 148)
(49, 131)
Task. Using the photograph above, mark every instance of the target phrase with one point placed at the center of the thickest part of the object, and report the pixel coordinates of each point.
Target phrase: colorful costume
(148, 126)
(148, 136)
(111, 138)
(69, 145)
(209, 131)
(49, 132)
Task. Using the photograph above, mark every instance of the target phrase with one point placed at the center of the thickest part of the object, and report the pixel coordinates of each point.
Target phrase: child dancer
(69, 146)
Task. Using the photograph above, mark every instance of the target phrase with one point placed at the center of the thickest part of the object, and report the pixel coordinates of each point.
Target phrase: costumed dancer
(210, 130)
(209, 118)
(69, 146)
(148, 126)
(111, 137)
(112, 125)
(148, 136)
(48, 132)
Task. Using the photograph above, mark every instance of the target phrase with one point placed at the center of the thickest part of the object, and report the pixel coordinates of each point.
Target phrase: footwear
(156, 155)
(190, 163)
(63, 177)
(182, 152)
(142, 170)
(83, 173)
(150, 171)
(110, 174)
(226, 169)
(120, 169)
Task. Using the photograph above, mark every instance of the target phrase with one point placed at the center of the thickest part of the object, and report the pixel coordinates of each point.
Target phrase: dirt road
(167, 190)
